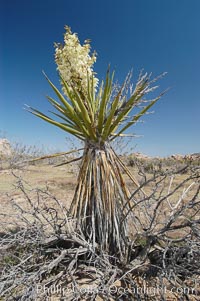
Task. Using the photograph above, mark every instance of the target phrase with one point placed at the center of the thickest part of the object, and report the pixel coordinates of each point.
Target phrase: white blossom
(74, 62)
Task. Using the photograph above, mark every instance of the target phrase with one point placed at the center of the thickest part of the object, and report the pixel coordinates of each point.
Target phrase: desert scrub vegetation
(150, 164)
(115, 239)
(18, 154)
(45, 255)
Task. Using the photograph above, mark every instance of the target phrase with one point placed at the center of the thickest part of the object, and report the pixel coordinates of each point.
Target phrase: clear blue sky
(151, 34)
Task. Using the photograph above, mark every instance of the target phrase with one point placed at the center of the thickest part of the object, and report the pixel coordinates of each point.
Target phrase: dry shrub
(45, 255)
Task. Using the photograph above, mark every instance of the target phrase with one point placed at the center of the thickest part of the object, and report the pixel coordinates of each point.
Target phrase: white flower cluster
(74, 62)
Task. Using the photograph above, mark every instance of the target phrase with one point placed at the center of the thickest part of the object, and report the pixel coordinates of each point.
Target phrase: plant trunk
(100, 198)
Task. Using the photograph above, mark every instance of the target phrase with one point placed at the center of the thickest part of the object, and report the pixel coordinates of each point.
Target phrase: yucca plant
(97, 116)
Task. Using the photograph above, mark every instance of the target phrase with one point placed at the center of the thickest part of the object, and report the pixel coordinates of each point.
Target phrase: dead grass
(59, 181)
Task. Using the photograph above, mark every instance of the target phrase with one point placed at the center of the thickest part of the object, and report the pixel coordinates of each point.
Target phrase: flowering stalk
(74, 63)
